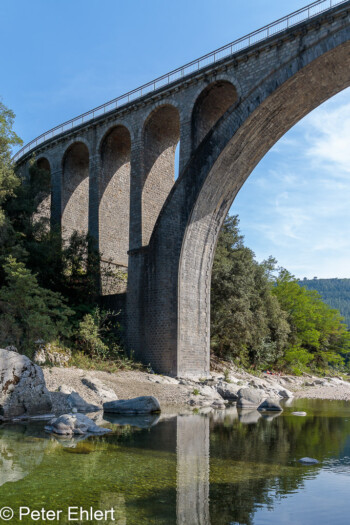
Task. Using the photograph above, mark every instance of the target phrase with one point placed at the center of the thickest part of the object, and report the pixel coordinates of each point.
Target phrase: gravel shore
(341, 392)
(126, 385)
(176, 394)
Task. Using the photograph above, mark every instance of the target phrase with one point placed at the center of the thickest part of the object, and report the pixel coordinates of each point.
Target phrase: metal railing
(305, 13)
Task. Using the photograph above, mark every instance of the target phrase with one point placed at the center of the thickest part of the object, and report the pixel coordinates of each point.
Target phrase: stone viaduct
(112, 169)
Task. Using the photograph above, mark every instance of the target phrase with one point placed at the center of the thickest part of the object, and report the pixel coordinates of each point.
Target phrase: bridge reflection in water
(192, 469)
(192, 449)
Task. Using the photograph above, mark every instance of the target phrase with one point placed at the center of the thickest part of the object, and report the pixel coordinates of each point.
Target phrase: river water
(222, 468)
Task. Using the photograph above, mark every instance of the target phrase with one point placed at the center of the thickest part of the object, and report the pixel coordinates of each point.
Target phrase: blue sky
(62, 58)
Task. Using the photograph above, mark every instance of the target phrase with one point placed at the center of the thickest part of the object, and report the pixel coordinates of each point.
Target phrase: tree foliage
(29, 312)
(49, 290)
(318, 333)
(262, 319)
(335, 292)
(247, 322)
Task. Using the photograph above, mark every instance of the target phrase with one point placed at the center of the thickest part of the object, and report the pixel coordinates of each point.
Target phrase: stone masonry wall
(75, 191)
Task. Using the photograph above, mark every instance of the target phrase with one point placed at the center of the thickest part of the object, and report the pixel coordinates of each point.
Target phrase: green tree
(318, 335)
(8, 179)
(247, 322)
(29, 312)
(8, 138)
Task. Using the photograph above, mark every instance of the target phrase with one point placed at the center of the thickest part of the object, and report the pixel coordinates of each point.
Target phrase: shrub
(98, 335)
(29, 312)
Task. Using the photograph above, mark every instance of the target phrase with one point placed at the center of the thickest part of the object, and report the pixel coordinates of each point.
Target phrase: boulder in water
(308, 461)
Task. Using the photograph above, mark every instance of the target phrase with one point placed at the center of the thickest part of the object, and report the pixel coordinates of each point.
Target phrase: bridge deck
(180, 74)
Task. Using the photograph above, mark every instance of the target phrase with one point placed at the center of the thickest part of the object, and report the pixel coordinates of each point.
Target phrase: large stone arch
(75, 190)
(114, 191)
(181, 250)
(210, 105)
(161, 134)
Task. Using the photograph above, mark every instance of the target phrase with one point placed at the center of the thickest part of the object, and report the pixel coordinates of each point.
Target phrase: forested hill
(334, 292)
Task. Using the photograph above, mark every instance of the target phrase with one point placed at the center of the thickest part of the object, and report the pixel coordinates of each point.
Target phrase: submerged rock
(69, 424)
(308, 461)
(22, 387)
(137, 405)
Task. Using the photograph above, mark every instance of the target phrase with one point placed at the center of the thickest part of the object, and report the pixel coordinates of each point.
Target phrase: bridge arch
(41, 178)
(211, 103)
(43, 163)
(114, 191)
(75, 189)
(160, 136)
(204, 192)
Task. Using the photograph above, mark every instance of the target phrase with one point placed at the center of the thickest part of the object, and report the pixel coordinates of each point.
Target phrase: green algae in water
(191, 470)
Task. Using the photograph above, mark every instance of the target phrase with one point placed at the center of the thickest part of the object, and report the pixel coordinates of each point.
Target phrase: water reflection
(20, 453)
(192, 480)
(225, 467)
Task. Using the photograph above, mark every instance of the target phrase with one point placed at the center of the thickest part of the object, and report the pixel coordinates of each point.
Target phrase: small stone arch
(72, 142)
(114, 205)
(108, 128)
(43, 163)
(75, 189)
(161, 134)
(210, 105)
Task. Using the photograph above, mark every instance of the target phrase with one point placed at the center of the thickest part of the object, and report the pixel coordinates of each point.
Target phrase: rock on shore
(138, 405)
(22, 387)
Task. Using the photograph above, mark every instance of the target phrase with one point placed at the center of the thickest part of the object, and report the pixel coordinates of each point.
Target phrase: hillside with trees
(335, 292)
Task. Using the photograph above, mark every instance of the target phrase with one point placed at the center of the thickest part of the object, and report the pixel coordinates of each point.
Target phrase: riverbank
(189, 392)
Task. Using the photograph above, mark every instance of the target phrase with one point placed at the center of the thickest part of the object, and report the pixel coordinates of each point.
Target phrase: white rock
(286, 394)
(104, 392)
(22, 387)
(308, 461)
(250, 397)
